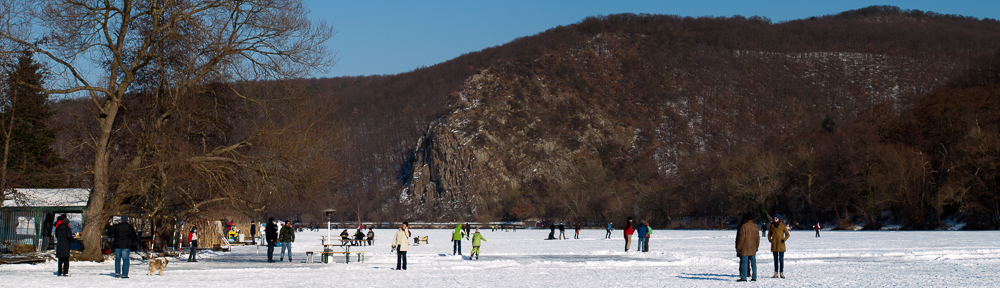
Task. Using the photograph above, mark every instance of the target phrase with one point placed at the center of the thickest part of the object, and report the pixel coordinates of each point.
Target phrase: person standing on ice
(649, 230)
(124, 236)
(562, 231)
(608, 236)
(456, 239)
(747, 242)
(777, 234)
(476, 238)
(286, 237)
(576, 229)
(64, 236)
(817, 227)
(253, 232)
(400, 244)
(193, 244)
(271, 236)
(628, 233)
(642, 231)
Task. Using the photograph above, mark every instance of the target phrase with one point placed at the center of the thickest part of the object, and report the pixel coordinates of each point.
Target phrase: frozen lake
(677, 258)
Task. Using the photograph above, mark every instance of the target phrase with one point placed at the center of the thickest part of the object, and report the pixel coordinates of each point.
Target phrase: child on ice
(476, 238)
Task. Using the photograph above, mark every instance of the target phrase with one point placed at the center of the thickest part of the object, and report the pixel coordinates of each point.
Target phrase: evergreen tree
(27, 141)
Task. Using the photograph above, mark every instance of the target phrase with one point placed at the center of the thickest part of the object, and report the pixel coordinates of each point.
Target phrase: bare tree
(189, 43)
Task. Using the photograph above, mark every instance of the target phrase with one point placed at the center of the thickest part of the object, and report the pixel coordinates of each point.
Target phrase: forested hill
(686, 121)
(668, 117)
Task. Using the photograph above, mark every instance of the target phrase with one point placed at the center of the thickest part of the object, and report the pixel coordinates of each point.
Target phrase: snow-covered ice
(677, 258)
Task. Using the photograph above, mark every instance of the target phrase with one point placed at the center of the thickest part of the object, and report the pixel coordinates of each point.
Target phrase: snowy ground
(523, 259)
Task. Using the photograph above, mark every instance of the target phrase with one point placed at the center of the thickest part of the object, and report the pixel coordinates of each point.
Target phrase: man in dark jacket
(371, 236)
(271, 235)
(64, 236)
(747, 242)
(286, 236)
(562, 231)
(124, 236)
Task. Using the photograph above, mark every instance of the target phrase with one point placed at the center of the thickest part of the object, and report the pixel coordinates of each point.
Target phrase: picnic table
(329, 249)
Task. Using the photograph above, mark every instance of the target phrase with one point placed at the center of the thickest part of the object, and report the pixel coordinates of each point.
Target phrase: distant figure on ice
(401, 245)
(643, 232)
(552, 231)
(193, 244)
(649, 231)
(747, 242)
(456, 239)
(271, 236)
(467, 233)
(608, 236)
(817, 227)
(64, 236)
(628, 233)
(371, 236)
(562, 231)
(777, 235)
(576, 233)
(124, 236)
(476, 238)
(286, 237)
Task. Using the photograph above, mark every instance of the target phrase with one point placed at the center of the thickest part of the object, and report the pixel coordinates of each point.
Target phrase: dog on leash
(157, 264)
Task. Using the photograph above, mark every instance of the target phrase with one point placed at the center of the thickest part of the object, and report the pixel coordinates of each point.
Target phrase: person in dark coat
(552, 231)
(562, 231)
(271, 235)
(371, 236)
(64, 236)
(124, 235)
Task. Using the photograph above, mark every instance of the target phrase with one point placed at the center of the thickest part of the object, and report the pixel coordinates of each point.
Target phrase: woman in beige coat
(777, 234)
(401, 244)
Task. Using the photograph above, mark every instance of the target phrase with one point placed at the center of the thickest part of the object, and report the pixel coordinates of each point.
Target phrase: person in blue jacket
(643, 232)
(608, 236)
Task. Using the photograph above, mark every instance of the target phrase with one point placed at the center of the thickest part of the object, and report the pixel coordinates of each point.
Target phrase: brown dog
(157, 264)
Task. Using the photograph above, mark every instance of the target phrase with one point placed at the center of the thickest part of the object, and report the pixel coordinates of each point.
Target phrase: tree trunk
(93, 228)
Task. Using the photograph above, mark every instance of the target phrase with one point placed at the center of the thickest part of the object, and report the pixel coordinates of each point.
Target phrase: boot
(775, 275)
(782, 275)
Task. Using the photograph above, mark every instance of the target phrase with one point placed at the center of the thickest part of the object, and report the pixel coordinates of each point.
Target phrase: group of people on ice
(748, 242)
(456, 239)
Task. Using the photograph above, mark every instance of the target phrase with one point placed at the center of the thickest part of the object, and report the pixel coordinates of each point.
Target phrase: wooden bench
(347, 255)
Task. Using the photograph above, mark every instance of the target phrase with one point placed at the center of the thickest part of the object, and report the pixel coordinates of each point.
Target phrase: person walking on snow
(747, 242)
(817, 227)
(64, 236)
(193, 243)
(401, 245)
(628, 233)
(456, 238)
(608, 236)
(124, 235)
(286, 237)
(777, 235)
(271, 236)
(476, 238)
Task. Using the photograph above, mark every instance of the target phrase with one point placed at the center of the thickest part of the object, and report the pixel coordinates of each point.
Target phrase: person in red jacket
(628, 233)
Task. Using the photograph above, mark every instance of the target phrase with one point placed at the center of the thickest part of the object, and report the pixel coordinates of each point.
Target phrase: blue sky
(389, 37)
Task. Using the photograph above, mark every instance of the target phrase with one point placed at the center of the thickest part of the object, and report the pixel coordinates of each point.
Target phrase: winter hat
(269, 220)
(124, 218)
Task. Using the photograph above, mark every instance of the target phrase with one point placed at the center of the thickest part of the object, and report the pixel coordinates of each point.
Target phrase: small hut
(27, 216)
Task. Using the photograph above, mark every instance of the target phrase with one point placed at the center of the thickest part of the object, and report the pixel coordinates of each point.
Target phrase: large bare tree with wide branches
(167, 48)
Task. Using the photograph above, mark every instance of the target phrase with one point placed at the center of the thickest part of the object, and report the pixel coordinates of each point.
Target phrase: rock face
(569, 124)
